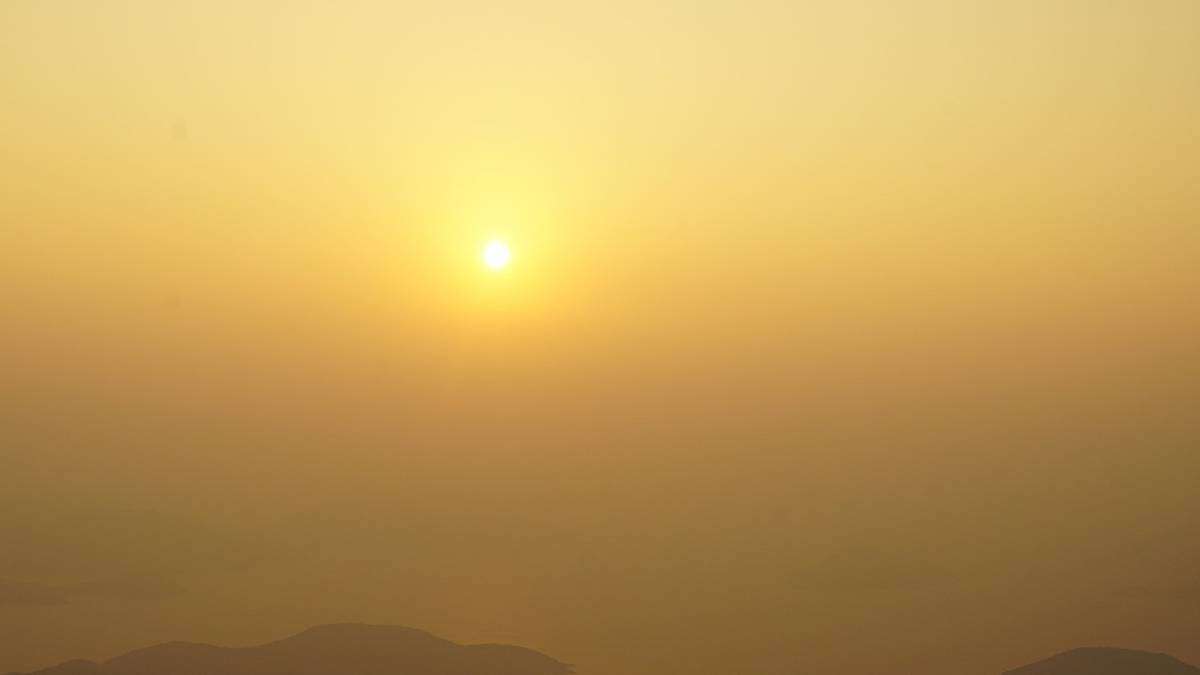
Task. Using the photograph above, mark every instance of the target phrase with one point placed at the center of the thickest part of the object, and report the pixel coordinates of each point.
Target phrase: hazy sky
(840, 337)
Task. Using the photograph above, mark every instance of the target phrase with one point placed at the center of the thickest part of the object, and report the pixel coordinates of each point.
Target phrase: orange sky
(839, 337)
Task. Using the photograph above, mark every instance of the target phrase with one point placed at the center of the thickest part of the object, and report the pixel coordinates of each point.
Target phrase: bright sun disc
(496, 254)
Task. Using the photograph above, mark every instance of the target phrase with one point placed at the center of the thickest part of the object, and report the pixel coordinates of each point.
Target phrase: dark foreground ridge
(340, 649)
(1107, 661)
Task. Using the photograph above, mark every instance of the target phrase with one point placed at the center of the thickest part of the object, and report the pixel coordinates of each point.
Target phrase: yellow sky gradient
(839, 336)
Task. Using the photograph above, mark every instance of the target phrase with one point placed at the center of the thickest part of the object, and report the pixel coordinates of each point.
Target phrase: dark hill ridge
(359, 649)
(340, 649)
(1107, 661)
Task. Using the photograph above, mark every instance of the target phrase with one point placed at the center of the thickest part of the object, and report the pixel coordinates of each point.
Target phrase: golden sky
(838, 336)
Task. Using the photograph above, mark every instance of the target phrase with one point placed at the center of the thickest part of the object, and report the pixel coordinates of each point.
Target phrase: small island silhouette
(1107, 661)
(337, 649)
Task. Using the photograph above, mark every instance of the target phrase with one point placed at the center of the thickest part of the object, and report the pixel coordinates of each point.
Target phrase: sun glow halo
(496, 254)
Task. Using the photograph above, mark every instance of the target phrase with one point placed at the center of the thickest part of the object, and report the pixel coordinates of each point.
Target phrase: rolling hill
(340, 649)
(1107, 661)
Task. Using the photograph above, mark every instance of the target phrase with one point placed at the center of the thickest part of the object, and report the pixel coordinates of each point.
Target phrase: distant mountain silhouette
(1107, 661)
(340, 649)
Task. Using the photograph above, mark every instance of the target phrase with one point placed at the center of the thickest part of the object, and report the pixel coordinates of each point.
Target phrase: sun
(496, 254)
